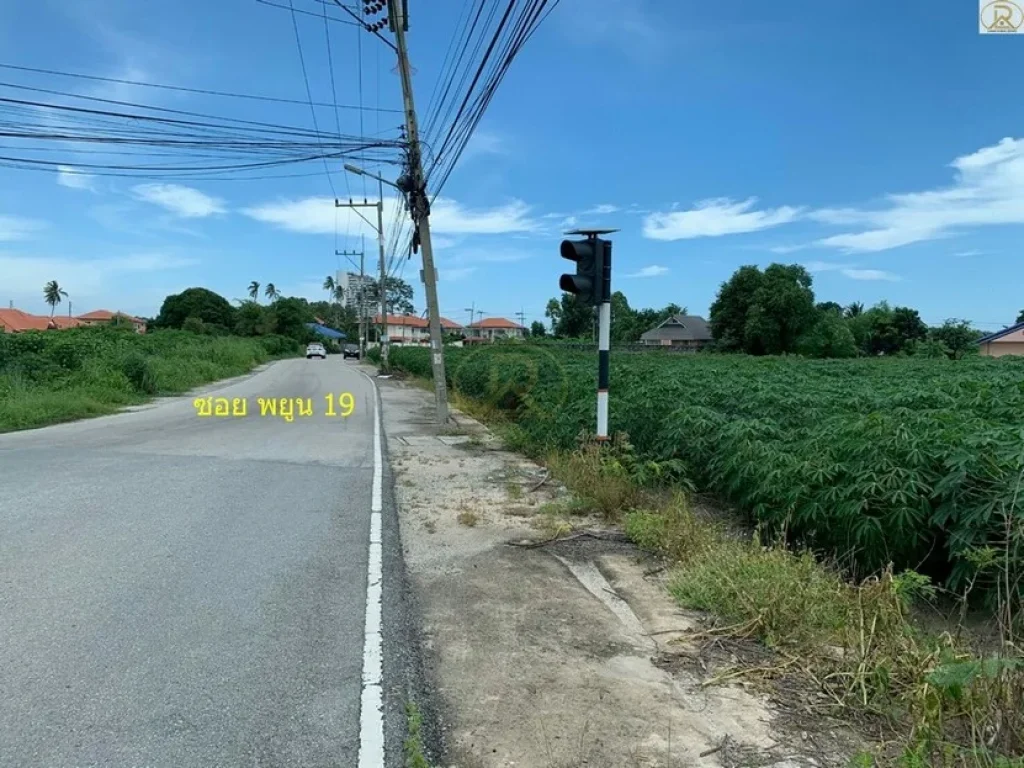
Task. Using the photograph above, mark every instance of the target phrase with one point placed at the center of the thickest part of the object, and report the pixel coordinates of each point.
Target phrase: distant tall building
(351, 283)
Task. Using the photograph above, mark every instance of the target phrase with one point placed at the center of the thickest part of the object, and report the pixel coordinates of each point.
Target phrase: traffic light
(588, 282)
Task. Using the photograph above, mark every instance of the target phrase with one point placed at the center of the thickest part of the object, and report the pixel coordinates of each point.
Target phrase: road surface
(180, 591)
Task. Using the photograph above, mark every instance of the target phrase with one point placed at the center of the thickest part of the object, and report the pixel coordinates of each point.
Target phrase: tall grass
(55, 376)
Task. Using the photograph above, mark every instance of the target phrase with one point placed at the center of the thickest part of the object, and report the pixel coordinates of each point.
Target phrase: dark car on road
(349, 350)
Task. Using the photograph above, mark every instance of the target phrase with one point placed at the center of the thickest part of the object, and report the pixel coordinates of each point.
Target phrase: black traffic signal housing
(588, 282)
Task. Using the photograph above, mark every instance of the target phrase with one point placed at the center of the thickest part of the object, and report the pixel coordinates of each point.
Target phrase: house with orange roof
(17, 321)
(413, 329)
(105, 317)
(493, 328)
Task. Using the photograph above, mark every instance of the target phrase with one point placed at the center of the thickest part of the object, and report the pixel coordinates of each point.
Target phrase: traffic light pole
(604, 337)
(592, 284)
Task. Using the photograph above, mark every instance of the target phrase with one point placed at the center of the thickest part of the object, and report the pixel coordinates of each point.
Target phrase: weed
(468, 518)
(513, 490)
(415, 756)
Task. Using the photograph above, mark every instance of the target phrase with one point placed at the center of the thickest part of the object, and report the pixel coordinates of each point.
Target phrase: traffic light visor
(574, 250)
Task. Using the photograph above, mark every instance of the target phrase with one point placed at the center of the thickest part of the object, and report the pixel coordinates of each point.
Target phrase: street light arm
(360, 172)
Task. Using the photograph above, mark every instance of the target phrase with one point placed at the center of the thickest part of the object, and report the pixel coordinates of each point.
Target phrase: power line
(307, 13)
(309, 93)
(202, 91)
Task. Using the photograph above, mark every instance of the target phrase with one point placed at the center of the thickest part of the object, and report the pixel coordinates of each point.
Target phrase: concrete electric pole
(419, 207)
(382, 333)
(360, 296)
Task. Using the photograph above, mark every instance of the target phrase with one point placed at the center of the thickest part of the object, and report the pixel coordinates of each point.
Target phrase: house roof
(17, 320)
(409, 320)
(326, 332)
(999, 334)
(680, 328)
(413, 321)
(495, 322)
(105, 314)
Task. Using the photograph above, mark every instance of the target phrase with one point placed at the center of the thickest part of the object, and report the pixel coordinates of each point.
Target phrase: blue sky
(882, 149)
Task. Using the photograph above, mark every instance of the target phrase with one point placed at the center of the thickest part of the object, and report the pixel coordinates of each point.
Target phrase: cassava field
(912, 462)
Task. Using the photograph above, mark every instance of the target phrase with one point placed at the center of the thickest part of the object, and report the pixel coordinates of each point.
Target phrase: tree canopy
(200, 303)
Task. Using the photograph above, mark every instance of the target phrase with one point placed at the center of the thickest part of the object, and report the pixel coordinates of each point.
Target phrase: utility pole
(359, 295)
(382, 333)
(522, 317)
(419, 208)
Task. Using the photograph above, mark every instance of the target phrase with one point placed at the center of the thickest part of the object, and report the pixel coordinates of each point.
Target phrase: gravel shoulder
(563, 654)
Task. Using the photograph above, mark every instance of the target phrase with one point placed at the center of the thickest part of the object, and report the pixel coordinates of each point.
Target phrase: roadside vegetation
(198, 337)
(48, 377)
(874, 489)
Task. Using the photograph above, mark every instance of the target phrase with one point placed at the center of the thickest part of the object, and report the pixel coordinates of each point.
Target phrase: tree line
(773, 312)
(204, 311)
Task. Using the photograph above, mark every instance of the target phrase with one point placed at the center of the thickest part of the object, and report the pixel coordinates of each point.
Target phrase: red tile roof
(14, 320)
(495, 322)
(415, 322)
(106, 314)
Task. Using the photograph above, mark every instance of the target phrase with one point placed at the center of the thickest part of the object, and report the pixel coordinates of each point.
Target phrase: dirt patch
(566, 654)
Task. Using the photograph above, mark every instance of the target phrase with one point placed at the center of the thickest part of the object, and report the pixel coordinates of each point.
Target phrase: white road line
(371, 713)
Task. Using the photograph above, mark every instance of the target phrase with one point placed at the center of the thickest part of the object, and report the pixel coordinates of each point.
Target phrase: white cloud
(824, 266)
(987, 189)
(67, 176)
(968, 254)
(850, 270)
(18, 228)
(316, 215)
(26, 275)
(651, 271)
(569, 221)
(179, 200)
(716, 217)
(869, 274)
(603, 208)
(784, 249)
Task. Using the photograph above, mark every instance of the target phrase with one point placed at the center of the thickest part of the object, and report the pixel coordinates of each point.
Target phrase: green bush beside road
(54, 376)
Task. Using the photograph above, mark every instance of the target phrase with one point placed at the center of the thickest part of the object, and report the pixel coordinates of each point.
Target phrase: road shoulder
(554, 655)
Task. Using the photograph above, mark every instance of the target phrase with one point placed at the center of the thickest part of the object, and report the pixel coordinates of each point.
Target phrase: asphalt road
(180, 591)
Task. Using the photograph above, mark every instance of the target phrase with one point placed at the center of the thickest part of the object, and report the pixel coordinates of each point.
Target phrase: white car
(316, 350)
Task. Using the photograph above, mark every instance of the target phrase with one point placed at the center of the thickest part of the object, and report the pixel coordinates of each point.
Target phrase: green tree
(553, 311)
(886, 330)
(830, 306)
(329, 286)
(830, 336)
(731, 307)
(251, 319)
(764, 312)
(201, 303)
(254, 291)
(855, 309)
(290, 317)
(1020, 316)
(53, 294)
(537, 329)
(570, 317)
(957, 336)
(271, 292)
(398, 296)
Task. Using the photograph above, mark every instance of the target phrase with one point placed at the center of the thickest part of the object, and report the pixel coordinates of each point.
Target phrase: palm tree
(271, 291)
(254, 291)
(53, 294)
(338, 293)
(854, 309)
(329, 286)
